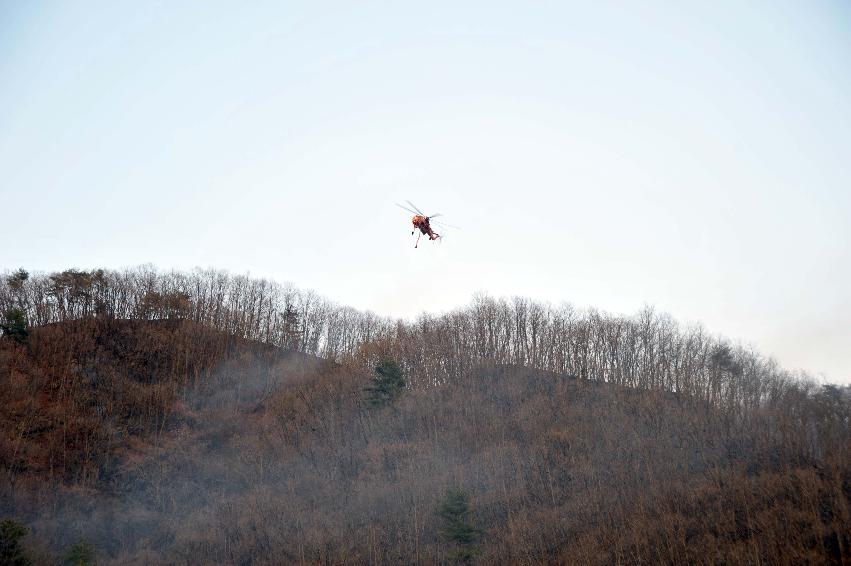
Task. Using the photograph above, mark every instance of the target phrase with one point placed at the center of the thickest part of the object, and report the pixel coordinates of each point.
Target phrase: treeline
(255, 309)
(648, 351)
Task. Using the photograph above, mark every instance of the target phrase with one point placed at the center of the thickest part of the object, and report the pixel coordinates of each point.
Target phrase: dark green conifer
(454, 512)
(14, 325)
(387, 384)
(12, 553)
(81, 554)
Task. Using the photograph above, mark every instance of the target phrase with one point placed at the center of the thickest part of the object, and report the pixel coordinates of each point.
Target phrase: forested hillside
(204, 417)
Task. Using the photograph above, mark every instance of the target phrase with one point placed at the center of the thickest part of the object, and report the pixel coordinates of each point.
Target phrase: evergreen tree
(11, 551)
(387, 384)
(14, 325)
(454, 512)
(292, 329)
(81, 554)
(17, 279)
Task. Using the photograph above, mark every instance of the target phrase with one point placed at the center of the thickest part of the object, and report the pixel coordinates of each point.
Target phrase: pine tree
(292, 329)
(454, 512)
(11, 551)
(81, 554)
(387, 384)
(17, 279)
(14, 325)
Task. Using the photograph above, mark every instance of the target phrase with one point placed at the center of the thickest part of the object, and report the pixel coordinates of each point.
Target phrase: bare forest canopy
(649, 350)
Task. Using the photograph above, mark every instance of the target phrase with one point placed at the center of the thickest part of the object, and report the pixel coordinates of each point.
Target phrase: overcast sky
(694, 157)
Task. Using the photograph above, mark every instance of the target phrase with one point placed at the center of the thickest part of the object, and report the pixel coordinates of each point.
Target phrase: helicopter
(421, 222)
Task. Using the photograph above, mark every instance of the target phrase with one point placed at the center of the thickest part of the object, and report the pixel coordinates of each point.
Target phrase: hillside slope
(167, 442)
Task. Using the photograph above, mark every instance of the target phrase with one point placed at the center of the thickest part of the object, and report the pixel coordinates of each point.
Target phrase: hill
(176, 441)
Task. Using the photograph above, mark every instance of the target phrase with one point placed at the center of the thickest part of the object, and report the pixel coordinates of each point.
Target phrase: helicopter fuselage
(422, 223)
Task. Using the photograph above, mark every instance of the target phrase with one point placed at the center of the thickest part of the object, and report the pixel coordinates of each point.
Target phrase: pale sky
(691, 156)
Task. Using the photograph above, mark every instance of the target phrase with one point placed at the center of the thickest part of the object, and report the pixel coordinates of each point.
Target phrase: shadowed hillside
(175, 441)
(80, 391)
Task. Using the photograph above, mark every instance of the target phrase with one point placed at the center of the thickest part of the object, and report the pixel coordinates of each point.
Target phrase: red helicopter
(421, 222)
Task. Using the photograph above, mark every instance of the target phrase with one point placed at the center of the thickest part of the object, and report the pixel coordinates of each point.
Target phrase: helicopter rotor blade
(403, 207)
(445, 225)
(420, 212)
